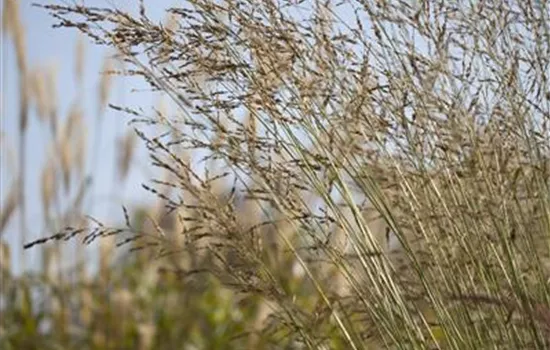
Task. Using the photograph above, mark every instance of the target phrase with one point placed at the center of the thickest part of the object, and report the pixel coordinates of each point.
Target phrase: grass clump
(375, 172)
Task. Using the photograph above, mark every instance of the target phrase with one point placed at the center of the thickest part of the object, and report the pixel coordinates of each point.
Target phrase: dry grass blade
(79, 60)
(9, 206)
(127, 145)
(15, 27)
(12, 25)
(105, 83)
(5, 257)
(39, 93)
(48, 186)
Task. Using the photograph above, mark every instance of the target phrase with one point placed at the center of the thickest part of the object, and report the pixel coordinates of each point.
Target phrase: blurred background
(70, 82)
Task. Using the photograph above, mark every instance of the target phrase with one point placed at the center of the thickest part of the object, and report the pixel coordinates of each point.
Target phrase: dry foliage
(434, 116)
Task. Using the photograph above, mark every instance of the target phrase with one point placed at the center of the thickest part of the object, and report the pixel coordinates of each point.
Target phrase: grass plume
(432, 118)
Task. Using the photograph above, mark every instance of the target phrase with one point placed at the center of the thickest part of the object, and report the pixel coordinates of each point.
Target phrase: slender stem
(23, 121)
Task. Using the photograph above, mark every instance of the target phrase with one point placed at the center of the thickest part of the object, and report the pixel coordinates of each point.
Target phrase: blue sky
(56, 48)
